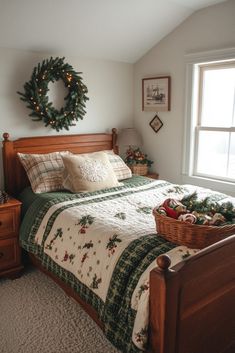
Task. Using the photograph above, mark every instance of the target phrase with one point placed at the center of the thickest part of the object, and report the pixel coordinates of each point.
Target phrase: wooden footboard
(192, 305)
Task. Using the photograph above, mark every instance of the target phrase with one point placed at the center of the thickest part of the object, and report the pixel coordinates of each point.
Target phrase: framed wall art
(156, 94)
(156, 123)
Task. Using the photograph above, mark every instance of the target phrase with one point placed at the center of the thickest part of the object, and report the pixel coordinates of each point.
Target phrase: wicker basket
(139, 169)
(192, 235)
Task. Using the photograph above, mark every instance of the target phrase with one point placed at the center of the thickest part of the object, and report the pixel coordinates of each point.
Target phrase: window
(209, 152)
(215, 129)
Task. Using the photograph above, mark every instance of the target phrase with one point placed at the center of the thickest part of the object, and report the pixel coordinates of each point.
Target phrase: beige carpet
(36, 316)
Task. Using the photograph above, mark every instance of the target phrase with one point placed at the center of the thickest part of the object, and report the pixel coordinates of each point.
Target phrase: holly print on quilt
(87, 237)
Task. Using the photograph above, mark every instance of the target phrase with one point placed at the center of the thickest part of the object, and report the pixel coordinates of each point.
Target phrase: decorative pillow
(88, 172)
(120, 168)
(45, 171)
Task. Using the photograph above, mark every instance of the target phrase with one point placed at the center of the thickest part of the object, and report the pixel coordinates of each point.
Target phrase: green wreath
(37, 99)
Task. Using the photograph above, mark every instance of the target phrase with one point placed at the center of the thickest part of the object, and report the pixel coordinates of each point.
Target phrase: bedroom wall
(208, 29)
(110, 86)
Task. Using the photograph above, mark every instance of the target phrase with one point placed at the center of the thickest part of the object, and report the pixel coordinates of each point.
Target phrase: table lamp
(129, 137)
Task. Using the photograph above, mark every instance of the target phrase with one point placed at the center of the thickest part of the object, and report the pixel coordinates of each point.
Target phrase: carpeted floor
(36, 316)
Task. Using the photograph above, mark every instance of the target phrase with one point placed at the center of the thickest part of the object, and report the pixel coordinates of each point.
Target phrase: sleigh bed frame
(192, 305)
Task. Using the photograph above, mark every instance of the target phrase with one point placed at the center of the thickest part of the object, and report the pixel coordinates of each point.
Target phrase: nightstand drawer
(8, 222)
(9, 253)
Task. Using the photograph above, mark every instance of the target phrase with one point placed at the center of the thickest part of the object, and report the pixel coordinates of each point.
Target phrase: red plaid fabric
(120, 168)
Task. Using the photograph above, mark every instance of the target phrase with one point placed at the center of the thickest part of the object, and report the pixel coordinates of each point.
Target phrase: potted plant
(137, 161)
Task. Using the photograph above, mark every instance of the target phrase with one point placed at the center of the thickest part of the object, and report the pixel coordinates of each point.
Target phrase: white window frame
(191, 115)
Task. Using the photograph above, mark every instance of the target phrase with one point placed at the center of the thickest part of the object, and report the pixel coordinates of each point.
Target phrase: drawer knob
(1, 255)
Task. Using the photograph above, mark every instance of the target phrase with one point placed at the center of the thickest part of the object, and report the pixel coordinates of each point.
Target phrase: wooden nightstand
(152, 175)
(10, 252)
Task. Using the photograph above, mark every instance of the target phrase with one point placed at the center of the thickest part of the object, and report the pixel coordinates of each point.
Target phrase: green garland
(208, 206)
(37, 99)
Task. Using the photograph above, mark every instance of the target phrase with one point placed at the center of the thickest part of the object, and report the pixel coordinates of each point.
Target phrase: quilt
(104, 244)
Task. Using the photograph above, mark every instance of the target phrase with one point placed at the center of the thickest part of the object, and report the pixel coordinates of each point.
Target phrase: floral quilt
(104, 244)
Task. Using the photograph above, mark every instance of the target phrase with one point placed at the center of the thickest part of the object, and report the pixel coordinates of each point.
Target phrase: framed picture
(156, 94)
(156, 123)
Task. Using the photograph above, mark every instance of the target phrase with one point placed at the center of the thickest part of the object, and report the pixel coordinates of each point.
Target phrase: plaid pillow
(45, 171)
(120, 168)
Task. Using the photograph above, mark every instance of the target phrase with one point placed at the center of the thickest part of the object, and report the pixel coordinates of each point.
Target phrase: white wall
(208, 29)
(110, 86)
(110, 92)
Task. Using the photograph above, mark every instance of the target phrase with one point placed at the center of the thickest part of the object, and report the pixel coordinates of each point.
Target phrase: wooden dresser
(10, 252)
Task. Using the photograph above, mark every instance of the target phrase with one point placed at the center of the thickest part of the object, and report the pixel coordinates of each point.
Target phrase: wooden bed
(192, 305)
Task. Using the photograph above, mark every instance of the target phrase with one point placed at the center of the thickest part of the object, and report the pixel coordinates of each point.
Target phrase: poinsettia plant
(136, 156)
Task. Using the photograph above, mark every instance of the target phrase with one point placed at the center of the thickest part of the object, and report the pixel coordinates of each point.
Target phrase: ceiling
(121, 30)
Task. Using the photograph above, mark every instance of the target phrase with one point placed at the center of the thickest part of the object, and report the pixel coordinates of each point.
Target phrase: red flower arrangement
(136, 156)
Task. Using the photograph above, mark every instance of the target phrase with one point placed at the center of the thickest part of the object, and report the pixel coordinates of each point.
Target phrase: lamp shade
(129, 137)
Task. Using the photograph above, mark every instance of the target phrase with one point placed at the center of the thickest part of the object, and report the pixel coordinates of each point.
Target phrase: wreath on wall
(35, 94)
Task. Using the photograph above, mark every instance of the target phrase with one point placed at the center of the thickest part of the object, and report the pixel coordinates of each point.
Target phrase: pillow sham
(120, 168)
(45, 171)
(88, 172)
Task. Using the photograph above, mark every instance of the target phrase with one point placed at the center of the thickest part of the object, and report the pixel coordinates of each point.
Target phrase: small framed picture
(156, 123)
(156, 94)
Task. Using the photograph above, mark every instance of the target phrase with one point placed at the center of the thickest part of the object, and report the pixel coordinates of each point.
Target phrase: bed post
(7, 154)
(164, 292)
(114, 140)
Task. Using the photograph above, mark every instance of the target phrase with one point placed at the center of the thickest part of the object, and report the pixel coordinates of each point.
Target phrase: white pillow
(88, 172)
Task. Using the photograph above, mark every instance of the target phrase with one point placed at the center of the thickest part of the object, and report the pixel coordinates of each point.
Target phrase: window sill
(217, 185)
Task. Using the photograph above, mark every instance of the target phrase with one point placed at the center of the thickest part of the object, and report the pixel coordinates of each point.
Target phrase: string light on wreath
(35, 94)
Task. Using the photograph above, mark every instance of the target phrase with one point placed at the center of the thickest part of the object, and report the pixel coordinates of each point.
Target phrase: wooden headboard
(15, 177)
